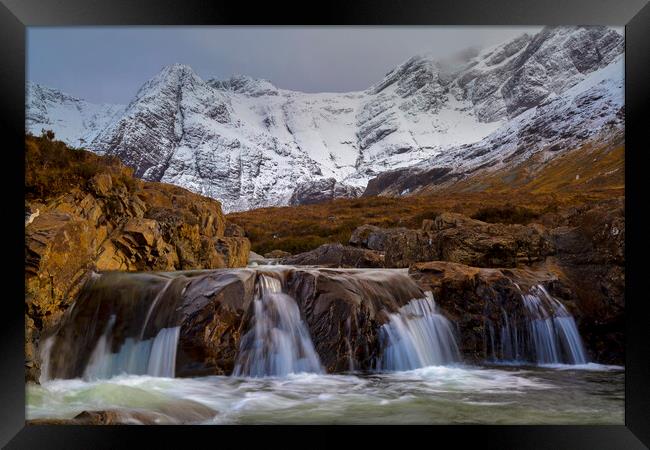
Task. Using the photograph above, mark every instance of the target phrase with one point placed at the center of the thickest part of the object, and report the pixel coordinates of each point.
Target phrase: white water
(45, 351)
(155, 357)
(155, 301)
(546, 334)
(432, 395)
(162, 360)
(278, 343)
(553, 330)
(417, 336)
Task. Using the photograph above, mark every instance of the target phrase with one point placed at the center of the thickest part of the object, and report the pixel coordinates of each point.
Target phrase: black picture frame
(16, 15)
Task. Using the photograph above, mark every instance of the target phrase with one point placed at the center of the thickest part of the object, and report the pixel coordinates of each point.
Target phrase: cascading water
(155, 357)
(545, 332)
(553, 330)
(417, 336)
(120, 324)
(278, 343)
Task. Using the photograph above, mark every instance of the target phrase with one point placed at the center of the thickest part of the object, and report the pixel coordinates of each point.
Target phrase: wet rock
(215, 312)
(336, 255)
(590, 258)
(479, 298)
(345, 310)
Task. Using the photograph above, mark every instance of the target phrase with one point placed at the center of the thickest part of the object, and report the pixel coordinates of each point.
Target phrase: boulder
(372, 237)
(336, 255)
(319, 191)
(277, 254)
(477, 298)
(344, 311)
(457, 238)
(255, 257)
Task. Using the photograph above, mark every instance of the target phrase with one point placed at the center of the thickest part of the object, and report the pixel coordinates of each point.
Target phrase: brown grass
(52, 168)
(301, 228)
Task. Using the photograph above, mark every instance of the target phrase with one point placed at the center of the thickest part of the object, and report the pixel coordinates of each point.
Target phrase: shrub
(52, 168)
(505, 214)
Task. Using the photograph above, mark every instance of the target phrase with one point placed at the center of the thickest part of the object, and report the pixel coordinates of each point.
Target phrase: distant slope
(249, 144)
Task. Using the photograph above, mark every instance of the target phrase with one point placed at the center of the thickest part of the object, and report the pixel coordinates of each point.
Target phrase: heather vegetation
(301, 228)
(53, 168)
(505, 214)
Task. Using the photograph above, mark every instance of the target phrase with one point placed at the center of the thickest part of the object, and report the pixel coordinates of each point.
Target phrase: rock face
(321, 191)
(336, 255)
(249, 144)
(103, 225)
(342, 309)
(590, 259)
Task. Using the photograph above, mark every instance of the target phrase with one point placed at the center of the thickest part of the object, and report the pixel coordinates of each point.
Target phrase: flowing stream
(278, 343)
(118, 349)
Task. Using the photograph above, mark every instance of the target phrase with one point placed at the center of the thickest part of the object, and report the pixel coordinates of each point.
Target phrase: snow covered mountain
(249, 144)
(74, 120)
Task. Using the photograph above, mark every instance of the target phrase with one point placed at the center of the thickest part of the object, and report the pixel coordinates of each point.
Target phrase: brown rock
(143, 231)
(457, 238)
(336, 255)
(371, 237)
(102, 184)
(235, 250)
(277, 254)
(105, 226)
(234, 230)
(472, 296)
(345, 310)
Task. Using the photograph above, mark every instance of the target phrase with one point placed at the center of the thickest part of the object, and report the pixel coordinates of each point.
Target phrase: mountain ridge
(248, 143)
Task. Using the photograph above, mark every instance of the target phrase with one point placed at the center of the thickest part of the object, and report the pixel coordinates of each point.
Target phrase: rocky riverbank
(85, 213)
(470, 265)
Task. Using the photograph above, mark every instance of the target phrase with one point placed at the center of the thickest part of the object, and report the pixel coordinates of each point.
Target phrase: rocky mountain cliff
(249, 144)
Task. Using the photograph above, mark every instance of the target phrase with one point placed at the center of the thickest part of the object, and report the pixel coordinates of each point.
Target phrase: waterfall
(155, 357)
(545, 332)
(553, 330)
(417, 336)
(278, 342)
(44, 354)
(162, 360)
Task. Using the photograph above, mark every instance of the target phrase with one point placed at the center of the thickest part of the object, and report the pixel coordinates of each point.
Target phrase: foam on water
(435, 394)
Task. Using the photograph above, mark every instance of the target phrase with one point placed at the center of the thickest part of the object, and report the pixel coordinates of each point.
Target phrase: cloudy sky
(108, 64)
